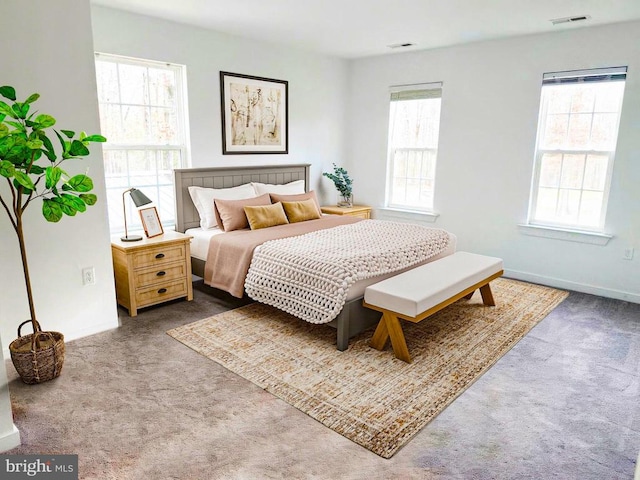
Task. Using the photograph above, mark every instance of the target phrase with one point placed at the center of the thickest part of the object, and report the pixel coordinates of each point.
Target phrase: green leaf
(95, 138)
(89, 198)
(78, 149)
(21, 109)
(51, 210)
(32, 98)
(68, 133)
(45, 121)
(24, 180)
(6, 110)
(52, 176)
(48, 147)
(4, 130)
(73, 201)
(36, 170)
(8, 170)
(17, 125)
(35, 144)
(8, 92)
(65, 145)
(66, 206)
(25, 191)
(79, 183)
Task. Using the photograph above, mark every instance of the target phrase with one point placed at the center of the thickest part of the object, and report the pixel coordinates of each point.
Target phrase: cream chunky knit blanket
(309, 276)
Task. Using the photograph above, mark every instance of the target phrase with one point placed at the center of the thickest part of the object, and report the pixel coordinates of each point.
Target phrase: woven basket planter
(38, 357)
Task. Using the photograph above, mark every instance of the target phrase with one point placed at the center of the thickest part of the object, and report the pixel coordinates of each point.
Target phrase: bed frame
(353, 318)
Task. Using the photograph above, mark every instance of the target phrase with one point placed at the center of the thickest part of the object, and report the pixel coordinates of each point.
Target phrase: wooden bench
(418, 293)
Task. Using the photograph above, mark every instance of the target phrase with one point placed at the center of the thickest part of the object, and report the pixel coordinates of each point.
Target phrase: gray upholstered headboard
(225, 177)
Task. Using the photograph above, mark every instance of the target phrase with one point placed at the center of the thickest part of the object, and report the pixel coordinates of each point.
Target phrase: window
(414, 126)
(143, 115)
(577, 134)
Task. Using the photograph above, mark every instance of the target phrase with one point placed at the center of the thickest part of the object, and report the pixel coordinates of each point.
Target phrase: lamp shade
(138, 197)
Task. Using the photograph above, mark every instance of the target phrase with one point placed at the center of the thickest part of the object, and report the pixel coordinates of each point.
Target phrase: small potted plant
(342, 182)
(32, 169)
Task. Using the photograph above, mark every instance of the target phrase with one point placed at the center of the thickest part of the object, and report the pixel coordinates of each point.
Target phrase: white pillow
(290, 188)
(203, 200)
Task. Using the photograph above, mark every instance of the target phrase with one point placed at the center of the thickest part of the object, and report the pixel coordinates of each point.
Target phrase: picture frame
(255, 114)
(151, 222)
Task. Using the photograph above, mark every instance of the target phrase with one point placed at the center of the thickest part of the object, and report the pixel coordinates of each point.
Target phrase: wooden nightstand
(355, 211)
(152, 270)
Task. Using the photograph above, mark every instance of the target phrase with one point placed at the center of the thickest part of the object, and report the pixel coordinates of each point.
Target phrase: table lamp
(139, 199)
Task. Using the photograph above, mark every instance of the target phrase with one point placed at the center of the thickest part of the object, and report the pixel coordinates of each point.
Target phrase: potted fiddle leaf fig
(32, 168)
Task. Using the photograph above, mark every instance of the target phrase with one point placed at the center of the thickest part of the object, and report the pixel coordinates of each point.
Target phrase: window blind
(416, 92)
(611, 74)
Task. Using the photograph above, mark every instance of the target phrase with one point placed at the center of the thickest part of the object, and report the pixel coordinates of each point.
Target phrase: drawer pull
(161, 273)
(160, 255)
(162, 290)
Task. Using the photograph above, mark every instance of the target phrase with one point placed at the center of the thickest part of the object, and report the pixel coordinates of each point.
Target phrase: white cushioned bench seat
(417, 290)
(418, 293)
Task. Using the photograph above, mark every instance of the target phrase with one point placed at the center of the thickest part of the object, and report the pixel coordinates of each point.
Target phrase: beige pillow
(230, 213)
(266, 216)
(276, 197)
(301, 211)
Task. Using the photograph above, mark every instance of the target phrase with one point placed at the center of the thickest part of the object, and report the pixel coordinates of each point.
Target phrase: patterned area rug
(366, 395)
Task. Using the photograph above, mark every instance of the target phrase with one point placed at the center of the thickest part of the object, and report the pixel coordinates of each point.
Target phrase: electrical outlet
(89, 276)
(628, 253)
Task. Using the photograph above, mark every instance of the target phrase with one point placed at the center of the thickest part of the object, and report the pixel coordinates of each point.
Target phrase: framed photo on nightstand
(151, 222)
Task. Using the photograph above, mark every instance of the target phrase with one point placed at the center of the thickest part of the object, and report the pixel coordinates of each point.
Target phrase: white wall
(488, 127)
(317, 86)
(47, 48)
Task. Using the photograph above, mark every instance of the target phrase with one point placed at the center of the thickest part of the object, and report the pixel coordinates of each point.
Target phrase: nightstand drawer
(159, 255)
(161, 292)
(162, 273)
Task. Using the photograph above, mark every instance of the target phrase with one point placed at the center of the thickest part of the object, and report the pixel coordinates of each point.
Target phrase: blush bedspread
(230, 254)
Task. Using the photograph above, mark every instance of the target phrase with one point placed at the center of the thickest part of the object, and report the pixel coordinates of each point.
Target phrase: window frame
(182, 145)
(565, 78)
(398, 91)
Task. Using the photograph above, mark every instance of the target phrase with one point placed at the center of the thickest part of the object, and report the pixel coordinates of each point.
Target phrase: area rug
(366, 395)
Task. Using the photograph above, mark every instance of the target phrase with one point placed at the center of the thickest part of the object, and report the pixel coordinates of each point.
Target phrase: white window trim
(426, 213)
(406, 214)
(579, 236)
(181, 111)
(580, 231)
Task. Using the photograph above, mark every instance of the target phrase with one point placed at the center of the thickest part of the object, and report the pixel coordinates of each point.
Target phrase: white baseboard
(10, 440)
(575, 286)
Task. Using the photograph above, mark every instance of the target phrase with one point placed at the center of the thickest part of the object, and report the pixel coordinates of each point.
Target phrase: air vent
(401, 45)
(579, 18)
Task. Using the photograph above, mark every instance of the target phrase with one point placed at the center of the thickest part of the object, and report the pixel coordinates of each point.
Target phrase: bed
(353, 317)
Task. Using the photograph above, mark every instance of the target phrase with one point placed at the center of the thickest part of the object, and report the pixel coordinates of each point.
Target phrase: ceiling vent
(579, 18)
(401, 45)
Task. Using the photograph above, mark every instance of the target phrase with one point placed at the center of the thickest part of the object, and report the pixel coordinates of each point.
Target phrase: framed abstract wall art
(255, 114)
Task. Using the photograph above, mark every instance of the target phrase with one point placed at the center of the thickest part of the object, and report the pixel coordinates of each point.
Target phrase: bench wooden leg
(397, 337)
(390, 328)
(468, 297)
(380, 336)
(487, 296)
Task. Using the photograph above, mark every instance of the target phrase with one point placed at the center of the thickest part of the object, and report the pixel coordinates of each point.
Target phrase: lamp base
(131, 238)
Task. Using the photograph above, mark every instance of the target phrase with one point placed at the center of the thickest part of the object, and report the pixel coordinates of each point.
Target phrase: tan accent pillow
(230, 213)
(276, 197)
(301, 211)
(266, 216)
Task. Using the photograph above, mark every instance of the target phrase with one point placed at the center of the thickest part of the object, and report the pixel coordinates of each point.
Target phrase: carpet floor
(134, 403)
(368, 396)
